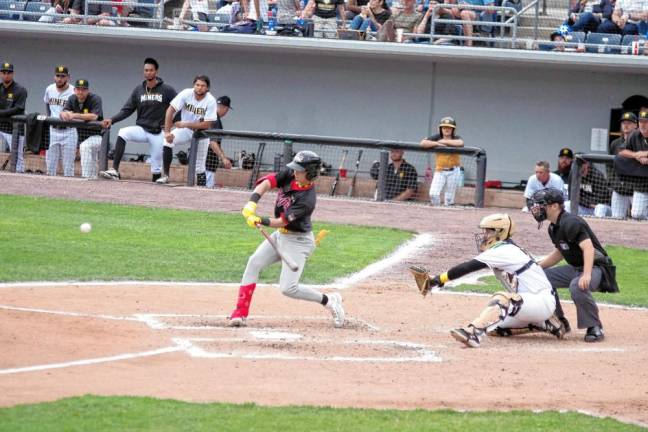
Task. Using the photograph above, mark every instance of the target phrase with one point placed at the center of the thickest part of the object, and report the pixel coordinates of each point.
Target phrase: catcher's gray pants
(20, 160)
(63, 143)
(298, 246)
(567, 277)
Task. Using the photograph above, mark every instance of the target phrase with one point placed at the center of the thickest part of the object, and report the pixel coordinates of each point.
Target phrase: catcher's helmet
(308, 161)
(541, 199)
(495, 228)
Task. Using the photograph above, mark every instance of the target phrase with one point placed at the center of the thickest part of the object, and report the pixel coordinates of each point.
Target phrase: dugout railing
(35, 132)
(606, 186)
(353, 168)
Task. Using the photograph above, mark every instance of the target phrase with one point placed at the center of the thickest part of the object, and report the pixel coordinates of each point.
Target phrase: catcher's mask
(495, 228)
(541, 199)
(308, 161)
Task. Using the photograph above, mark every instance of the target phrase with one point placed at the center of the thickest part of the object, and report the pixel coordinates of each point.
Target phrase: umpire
(588, 266)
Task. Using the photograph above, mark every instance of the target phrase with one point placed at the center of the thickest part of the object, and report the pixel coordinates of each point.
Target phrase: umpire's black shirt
(568, 232)
(12, 102)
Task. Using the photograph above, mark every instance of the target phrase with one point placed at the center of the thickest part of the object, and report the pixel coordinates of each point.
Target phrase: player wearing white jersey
(527, 303)
(197, 111)
(63, 140)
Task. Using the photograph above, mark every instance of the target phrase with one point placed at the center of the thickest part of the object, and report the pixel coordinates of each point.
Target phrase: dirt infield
(169, 341)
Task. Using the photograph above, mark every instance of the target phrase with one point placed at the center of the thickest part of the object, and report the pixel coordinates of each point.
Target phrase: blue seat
(627, 42)
(143, 11)
(219, 18)
(7, 9)
(576, 37)
(612, 43)
(35, 7)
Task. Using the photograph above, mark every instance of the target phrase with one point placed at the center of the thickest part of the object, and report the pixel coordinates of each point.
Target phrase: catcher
(527, 304)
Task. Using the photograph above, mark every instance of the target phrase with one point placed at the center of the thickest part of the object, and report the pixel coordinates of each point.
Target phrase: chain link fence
(46, 145)
(608, 187)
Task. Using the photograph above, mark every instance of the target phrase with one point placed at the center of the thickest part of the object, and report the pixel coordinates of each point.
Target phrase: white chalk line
(71, 314)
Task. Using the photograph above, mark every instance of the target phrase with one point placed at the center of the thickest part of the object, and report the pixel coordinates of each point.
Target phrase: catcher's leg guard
(239, 315)
(471, 336)
(501, 305)
(555, 326)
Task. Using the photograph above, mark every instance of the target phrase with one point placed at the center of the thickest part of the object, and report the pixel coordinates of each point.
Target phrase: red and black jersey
(295, 202)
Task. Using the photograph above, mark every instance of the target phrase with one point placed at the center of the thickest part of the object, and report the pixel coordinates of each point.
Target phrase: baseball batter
(63, 140)
(151, 100)
(294, 206)
(197, 112)
(528, 301)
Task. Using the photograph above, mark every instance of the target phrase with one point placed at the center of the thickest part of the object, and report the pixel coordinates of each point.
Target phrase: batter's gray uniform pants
(63, 144)
(20, 160)
(567, 276)
(298, 246)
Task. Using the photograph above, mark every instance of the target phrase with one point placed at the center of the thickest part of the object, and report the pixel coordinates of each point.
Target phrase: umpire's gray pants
(567, 276)
(298, 246)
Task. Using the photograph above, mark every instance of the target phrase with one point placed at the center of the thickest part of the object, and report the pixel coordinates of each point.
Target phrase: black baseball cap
(567, 152)
(6, 67)
(643, 115)
(61, 69)
(81, 83)
(225, 101)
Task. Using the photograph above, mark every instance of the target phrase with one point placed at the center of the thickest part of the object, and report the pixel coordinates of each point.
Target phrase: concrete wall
(518, 112)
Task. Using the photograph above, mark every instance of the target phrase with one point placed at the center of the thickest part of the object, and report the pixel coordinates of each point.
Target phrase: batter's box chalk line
(419, 353)
(219, 322)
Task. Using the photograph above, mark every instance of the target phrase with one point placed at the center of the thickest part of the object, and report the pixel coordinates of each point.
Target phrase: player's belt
(60, 127)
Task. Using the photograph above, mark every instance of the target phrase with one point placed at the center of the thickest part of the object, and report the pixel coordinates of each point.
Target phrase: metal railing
(288, 142)
(157, 7)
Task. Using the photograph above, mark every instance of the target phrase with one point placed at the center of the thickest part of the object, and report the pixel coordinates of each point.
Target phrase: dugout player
(528, 300)
(215, 151)
(63, 139)
(294, 206)
(587, 261)
(151, 100)
(197, 112)
(13, 98)
(85, 106)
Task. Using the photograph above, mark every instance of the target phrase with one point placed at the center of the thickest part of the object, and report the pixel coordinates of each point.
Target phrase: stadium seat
(626, 43)
(7, 7)
(613, 42)
(35, 7)
(143, 11)
(219, 18)
(576, 37)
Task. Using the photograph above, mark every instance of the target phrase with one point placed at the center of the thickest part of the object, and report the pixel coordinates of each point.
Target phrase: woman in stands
(372, 16)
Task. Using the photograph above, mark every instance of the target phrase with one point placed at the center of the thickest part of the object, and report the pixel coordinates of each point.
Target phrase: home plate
(275, 335)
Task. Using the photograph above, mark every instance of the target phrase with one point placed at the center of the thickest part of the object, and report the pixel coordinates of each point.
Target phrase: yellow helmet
(496, 228)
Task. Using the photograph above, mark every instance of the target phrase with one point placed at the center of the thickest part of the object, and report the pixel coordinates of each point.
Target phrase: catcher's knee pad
(500, 306)
(201, 179)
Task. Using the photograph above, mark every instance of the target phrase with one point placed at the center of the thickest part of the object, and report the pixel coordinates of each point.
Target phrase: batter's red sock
(244, 300)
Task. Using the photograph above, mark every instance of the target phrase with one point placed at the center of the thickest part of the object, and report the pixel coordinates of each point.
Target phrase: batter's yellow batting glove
(253, 220)
(249, 209)
(320, 237)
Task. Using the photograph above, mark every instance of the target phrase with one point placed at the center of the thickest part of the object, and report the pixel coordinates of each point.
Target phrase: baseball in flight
(85, 228)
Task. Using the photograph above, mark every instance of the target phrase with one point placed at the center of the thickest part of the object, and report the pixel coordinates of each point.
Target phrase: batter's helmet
(448, 122)
(308, 161)
(501, 228)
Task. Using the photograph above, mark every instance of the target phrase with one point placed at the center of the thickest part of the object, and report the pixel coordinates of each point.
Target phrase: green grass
(91, 413)
(40, 240)
(632, 277)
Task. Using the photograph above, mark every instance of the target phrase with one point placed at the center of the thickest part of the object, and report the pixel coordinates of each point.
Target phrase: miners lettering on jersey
(194, 109)
(154, 97)
(57, 101)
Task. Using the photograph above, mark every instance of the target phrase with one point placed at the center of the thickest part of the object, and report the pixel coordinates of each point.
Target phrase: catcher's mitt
(424, 281)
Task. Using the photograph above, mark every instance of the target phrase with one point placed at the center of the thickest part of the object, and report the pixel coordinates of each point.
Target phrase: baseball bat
(355, 174)
(337, 176)
(289, 262)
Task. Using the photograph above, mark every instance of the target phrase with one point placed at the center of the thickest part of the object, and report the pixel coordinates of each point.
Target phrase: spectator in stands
(58, 7)
(372, 16)
(13, 98)
(622, 186)
(594, 194)
(354, 7)
(85, 106)
(402, 178)
(587, 15)
(287, 10)
(542, 179)
(559, 41)
(62, 139)
(324, 14)
(199, 12)
(629, 17)
(636, 147)
(98, 10)
(215, 151)
(565, 159)
(425, 26)
(407, 18)
(448, 165)
(472, 15)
